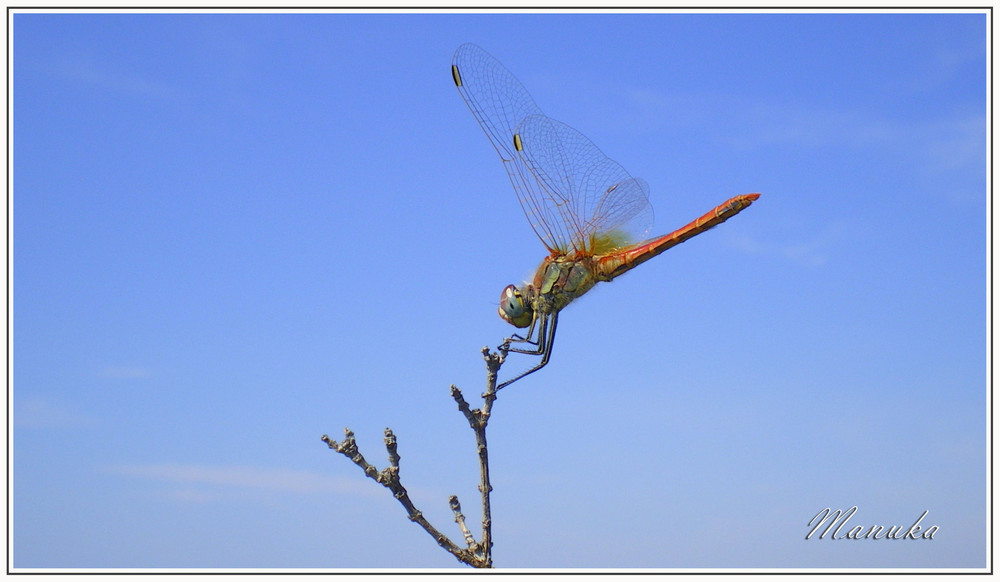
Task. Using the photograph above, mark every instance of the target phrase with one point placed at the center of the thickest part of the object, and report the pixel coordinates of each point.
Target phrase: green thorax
(560, 280)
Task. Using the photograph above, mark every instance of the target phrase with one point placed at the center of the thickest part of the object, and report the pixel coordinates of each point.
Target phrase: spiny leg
(543, 347)
(527, 338)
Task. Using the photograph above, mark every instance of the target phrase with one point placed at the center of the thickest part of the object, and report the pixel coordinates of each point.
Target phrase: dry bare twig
(477, 554)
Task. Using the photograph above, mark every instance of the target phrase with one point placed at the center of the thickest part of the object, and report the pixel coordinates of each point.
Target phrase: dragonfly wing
(499, 103)
(600, 206)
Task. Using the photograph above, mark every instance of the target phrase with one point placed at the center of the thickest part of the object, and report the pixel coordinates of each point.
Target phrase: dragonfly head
(514, 308)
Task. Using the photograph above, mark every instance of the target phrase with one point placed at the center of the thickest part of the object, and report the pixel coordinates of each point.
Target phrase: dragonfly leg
(543, 347)
(527, 337)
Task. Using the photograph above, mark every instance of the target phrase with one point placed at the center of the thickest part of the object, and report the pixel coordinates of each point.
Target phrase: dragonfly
(586, 209)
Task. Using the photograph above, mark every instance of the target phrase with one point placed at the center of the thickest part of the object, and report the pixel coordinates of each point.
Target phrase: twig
(389, 477)
(456, 507)
(476, 554)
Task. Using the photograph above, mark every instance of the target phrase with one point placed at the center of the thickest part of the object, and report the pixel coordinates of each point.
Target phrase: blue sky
(234, 233)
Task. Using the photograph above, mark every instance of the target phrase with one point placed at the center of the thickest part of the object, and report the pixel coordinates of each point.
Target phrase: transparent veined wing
(499, 102)
(601, 207)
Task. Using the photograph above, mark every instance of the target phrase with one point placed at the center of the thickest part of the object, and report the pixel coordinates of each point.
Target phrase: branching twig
(389, 477)
(476, 554)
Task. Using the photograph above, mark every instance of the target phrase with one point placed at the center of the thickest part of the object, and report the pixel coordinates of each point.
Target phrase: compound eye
(513, 308)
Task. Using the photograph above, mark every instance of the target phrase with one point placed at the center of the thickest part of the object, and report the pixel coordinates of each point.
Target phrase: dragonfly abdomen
(619, 262)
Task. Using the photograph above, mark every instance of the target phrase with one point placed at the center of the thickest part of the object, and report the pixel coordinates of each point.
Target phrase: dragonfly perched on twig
(585, 207)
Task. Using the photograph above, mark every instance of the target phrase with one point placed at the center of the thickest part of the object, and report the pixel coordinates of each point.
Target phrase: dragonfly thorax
(558, 281)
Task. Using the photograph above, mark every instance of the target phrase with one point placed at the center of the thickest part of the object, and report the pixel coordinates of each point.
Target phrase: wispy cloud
(938, 144)
(959, 143)
(89, 73)
(50, 413)
(807, 253)
(948, 142)
(200, 483)
(125, 373)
